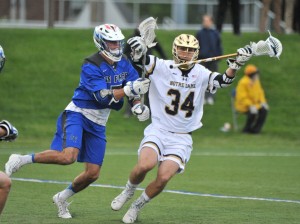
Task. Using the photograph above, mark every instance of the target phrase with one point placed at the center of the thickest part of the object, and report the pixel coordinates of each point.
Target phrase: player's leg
(5, 184)
(65, 157)
(166, 171)
(92, 154)
(148, 159)
(83, 180)
(177, 150)
(65, 145)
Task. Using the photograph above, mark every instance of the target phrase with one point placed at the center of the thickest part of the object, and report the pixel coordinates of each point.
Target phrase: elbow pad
(105, 97)
(218, 80)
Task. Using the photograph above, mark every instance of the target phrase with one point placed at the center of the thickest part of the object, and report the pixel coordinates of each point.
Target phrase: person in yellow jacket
(250, 99)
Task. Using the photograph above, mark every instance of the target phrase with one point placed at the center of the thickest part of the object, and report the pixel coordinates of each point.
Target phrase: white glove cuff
(233, 64)
(128, 91)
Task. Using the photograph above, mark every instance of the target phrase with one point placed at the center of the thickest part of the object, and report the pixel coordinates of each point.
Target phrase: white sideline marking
(168, 191)
(195, 152)
(238, 154)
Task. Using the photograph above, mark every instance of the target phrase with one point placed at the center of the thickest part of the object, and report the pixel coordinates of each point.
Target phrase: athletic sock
(141, 201)
(66, 193)
(131, 186)
(27, 159)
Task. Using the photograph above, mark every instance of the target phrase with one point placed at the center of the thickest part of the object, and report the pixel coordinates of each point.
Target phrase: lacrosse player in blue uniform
(7, 133)
(106, 78)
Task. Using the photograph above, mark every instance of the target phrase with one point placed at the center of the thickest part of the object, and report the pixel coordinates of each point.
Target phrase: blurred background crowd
(282, 16)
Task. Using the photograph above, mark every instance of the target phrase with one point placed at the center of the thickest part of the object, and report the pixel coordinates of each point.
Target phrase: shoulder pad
(95, 59)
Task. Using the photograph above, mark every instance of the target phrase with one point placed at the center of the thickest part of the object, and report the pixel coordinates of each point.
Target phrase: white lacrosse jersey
(176, 99)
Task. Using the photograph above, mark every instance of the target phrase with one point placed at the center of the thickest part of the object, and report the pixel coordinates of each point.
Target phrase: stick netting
(146, 29)
(272, 47)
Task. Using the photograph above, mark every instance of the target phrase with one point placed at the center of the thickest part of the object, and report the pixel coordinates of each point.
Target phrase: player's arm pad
(218, 80)
(106, 98)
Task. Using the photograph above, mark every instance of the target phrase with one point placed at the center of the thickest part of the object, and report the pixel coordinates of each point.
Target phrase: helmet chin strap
(107, 59)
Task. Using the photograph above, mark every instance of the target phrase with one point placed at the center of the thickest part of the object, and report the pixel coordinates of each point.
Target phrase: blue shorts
(75, 130)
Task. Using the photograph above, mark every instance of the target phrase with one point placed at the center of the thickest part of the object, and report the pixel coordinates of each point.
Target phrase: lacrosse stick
(147, 33)
(271, 46)
(204, 60)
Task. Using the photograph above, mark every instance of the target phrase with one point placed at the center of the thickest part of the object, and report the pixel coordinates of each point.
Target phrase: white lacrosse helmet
(106, 33)
(192, 48)
(2, 58)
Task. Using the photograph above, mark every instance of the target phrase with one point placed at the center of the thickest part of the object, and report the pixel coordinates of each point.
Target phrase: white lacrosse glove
(142, 113)
(253, 109)
(138, 48)
(137, 87)
(11, 131)
(244, 55)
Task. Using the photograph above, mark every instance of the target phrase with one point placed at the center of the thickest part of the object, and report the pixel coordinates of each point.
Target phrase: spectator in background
(296, 22)
(210, 46)
(289, 15)
(235, 15)
(264, 15)
(127, 51)
(250, 99)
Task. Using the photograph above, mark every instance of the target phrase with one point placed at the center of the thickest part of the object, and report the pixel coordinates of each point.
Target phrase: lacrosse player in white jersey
(176, 100)
(7, 133)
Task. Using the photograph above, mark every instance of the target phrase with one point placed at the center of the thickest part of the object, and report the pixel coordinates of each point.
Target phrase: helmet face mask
(185, 48)
(109, 40)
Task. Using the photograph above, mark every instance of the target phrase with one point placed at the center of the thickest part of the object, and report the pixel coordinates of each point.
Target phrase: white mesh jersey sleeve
(176, 100)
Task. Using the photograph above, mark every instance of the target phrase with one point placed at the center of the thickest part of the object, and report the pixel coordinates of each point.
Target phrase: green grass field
(231, 177)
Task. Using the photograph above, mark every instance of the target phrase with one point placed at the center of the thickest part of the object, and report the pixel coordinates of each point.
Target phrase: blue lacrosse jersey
(97, 74)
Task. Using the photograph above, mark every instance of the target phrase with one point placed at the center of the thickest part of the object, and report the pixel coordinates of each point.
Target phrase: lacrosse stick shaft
(147, 33)
(204, 60)
(143, 76)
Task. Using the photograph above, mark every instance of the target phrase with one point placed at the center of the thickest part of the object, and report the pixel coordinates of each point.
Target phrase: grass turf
(41, 73)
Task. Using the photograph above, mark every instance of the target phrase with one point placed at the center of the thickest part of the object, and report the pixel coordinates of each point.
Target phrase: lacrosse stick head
(146, 29)
(272, 47)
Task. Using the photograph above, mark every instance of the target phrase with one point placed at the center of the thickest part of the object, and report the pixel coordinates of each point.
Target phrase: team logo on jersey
(107, 79)
(120, 77)
(182, 84)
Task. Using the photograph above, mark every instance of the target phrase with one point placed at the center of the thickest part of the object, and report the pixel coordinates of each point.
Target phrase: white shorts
(168, 145)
